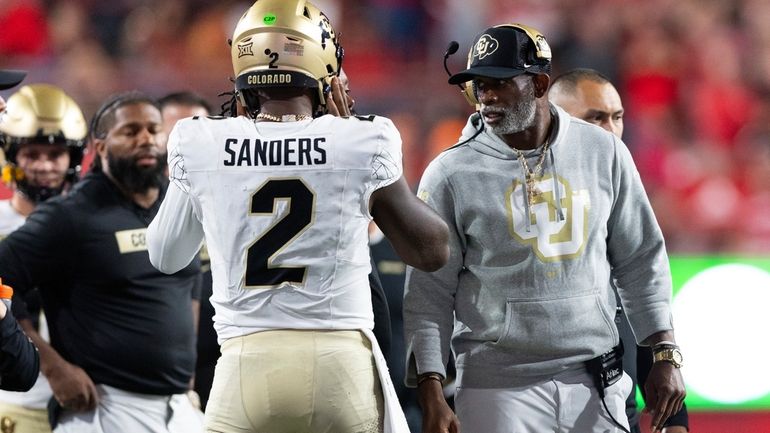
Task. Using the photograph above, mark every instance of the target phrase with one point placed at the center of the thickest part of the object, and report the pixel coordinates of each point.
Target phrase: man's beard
(135, 179)
(519, 117)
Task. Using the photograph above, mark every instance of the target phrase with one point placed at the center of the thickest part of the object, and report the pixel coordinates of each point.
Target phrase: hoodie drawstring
(556, 188)
(527, 216)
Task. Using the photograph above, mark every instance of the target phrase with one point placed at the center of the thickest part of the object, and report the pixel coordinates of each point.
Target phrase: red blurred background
(694, 76)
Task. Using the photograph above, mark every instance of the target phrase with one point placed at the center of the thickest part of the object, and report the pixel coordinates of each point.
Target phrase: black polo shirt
(109, 310)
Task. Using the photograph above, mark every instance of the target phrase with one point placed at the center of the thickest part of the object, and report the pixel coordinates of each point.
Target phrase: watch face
(676, 356)
(673, 356)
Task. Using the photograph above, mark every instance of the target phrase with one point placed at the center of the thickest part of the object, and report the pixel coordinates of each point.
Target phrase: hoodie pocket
(547, 329)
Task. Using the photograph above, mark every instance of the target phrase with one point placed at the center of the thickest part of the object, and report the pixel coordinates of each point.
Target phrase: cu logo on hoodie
(486, 46)
(551, 239)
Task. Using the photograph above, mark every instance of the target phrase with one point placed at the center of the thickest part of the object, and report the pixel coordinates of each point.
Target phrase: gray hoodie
(523, 299)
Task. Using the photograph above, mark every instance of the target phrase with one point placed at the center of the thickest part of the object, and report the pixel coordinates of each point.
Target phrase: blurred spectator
(24, 29)
(694, 74)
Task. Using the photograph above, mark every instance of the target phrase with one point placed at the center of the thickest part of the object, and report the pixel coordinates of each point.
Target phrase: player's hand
(337, 101)
(72, 387)
(665, 393)
(437, 417)
(675, 429)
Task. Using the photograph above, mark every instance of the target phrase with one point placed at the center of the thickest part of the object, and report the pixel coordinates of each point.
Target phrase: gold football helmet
(284, 43)
(41, 114)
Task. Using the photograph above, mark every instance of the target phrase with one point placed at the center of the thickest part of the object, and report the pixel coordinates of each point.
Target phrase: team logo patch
(485, 46)
(551, 238)
(245, 49)
(327, 31)
(131, 241)
(269, 19)
(542, 46)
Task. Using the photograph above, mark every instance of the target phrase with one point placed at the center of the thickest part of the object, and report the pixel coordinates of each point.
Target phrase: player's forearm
(418, 234)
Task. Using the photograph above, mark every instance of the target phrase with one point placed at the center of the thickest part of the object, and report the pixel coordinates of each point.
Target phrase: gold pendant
(532, 191)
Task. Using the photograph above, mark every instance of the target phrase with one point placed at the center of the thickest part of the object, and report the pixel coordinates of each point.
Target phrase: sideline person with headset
(590, 96)
(542, 208)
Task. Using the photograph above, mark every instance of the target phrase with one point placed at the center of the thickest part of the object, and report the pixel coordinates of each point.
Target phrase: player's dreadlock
(229, 108)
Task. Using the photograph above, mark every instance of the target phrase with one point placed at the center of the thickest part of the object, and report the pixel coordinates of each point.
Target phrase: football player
(283, 196)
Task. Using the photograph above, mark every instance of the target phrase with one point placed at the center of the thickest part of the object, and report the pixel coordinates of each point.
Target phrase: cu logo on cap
(485, 46)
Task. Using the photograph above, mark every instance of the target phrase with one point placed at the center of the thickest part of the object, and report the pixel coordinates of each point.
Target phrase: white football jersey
(284, 208)
(10, 220)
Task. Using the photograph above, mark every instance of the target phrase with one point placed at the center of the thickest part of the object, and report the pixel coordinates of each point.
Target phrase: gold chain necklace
(283, 118)
(530, 175)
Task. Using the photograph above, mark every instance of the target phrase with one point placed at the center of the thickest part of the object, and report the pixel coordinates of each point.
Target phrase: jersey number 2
(301, 200)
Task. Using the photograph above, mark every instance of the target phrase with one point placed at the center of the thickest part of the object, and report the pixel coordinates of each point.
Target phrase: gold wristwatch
(668, 353)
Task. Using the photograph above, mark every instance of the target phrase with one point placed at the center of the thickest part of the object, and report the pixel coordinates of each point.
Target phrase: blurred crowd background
(694, 76)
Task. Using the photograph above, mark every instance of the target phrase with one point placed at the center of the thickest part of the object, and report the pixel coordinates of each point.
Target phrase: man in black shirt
(122, 347)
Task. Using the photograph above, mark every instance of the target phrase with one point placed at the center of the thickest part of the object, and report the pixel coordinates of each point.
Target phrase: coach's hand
(665, 393)
(72, 387)
(437, 416)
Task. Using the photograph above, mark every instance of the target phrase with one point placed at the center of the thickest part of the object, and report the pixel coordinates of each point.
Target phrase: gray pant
(568, 403)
